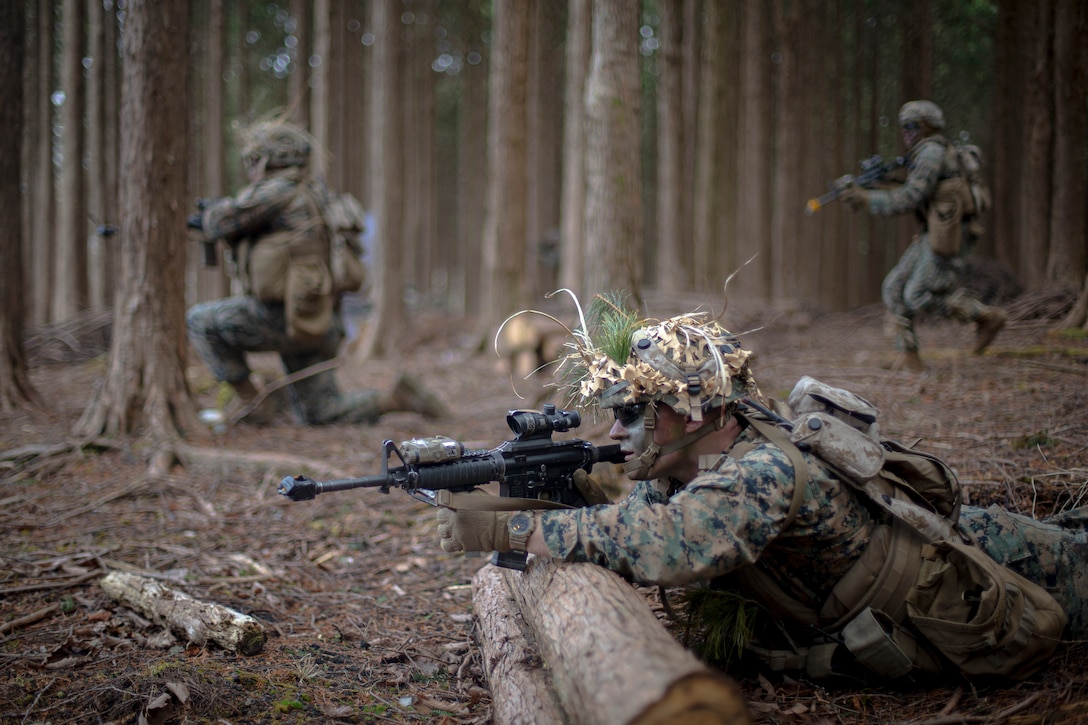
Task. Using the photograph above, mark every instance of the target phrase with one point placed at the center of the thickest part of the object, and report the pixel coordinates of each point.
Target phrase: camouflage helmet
(687, 362)
(276, 145)
(925, 111)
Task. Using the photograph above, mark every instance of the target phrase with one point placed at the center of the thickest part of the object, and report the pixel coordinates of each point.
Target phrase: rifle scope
(533, 423)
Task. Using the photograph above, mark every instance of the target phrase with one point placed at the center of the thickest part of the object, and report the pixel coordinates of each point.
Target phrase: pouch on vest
(843, 447)
(811, 396)
(944, 217)
(346, 221)
(986, 619)
(308, 303)
(266, 266)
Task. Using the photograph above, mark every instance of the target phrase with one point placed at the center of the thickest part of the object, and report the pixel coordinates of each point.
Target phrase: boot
(409, 395)
(911, 361)
(988, 323)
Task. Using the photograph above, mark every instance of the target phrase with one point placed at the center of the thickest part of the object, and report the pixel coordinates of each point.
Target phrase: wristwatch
(519, 527)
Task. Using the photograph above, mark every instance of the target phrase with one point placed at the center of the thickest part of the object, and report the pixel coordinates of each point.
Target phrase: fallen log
(576, 643)
(199, 622)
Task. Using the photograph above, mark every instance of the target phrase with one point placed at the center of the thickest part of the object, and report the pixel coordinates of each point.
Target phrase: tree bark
(673, 240)
(144, 388)
(708, 172)
(545, 124)
(471, 154)
(613, 222)
(15, 387)
(753, 225)
(100, 286)
(1036, 194)
(506, 221)
(197, 621)
(520, 691)
(1078, 314)
(1068, 217)
(43, 203)
(572, 206)
(70, 288)
(389, 320)
(609, 659)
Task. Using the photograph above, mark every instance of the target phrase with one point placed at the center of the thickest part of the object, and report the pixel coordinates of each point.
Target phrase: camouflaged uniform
(222, 331)
(922, 281)
(732, 515)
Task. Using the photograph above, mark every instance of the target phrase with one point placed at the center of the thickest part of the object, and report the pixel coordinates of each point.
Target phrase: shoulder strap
(777, 436)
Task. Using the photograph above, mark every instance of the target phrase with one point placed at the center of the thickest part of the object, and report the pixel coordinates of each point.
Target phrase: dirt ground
(369, 621)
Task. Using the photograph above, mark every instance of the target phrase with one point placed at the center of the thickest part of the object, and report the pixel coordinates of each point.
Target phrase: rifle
(196, 221)
(531, 466)
(873, 169)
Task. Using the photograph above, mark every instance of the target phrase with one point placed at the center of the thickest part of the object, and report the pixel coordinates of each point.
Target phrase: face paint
(635, 442)
(630, 430)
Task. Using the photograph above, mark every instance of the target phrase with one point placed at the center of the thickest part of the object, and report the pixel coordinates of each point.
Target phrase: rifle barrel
(346, 484)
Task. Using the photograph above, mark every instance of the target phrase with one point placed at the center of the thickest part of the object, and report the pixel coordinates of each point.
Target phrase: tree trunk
(673, 245)
(44, 200)
(572, 207)
(15, 388)
(791, 277)
(298, 82)
(144, 386)
(196, 621)
(613, 222)
(387, 168)
(70, 278)
(100, 286)
(213, 282)
(1033, 236)
(707, 217)
(1068, 216)
(607, 657)
(505, 225)
(1005, 158)
(753, 228)
(471, 161)
(1078, 314)
(111, 146)
(691, 43)
(321, 80)
(545, 123)
(420, 235)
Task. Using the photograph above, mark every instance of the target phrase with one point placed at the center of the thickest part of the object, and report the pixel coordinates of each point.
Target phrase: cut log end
(701, 698)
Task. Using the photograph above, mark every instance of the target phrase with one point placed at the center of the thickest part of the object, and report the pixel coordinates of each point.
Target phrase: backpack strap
(777, 436)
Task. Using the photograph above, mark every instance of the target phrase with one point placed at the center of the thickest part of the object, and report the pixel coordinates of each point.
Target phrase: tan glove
(473, 530)
(589, 488)
(856, 198)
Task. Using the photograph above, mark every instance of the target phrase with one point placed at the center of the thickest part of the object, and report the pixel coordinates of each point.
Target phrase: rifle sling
(467, 502)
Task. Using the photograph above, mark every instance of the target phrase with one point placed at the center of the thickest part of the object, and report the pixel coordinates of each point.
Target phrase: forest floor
(369, 620)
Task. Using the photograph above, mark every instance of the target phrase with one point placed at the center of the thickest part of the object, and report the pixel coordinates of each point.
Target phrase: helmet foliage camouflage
(687, 362)
(924, 111)
(276, 145)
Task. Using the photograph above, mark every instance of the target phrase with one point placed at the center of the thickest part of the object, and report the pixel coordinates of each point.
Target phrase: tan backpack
(922, 597)
(952, 203)
(346, 220)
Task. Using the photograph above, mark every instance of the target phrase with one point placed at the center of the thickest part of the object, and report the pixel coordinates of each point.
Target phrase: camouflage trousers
(223, 331)
(1053, 553)
(923, 282)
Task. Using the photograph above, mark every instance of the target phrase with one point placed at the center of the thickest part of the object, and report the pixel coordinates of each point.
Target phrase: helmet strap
(639, 468)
